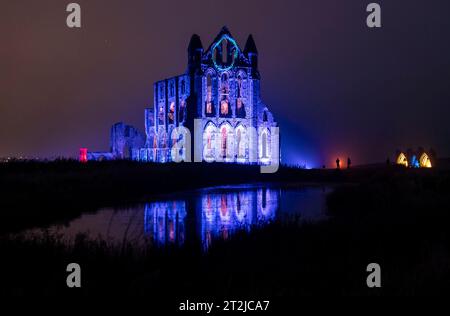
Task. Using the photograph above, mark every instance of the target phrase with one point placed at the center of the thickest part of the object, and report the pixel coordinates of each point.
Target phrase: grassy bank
(399, 220)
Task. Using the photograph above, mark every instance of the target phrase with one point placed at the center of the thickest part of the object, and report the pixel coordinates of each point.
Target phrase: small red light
(83, 155)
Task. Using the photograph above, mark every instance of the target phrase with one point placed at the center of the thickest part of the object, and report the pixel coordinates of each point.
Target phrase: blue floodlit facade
(220, 90)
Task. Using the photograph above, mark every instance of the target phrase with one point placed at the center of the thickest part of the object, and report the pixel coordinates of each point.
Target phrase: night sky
(336, 87)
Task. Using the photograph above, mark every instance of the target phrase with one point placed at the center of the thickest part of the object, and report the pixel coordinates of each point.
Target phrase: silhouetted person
(323, 167)
(338, 163)
(388, 162)
(349, 162)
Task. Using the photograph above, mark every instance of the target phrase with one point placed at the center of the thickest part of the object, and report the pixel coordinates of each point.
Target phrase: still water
(203, 215)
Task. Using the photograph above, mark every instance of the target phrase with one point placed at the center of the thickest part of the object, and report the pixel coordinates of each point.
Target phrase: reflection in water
(205, 215)
(164, 222)
(221, 214)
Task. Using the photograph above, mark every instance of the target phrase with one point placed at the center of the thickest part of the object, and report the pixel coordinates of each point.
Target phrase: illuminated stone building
(221, 89)
(218, 100)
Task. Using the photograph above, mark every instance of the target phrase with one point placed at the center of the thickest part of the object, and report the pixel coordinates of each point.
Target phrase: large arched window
(209, 143)
(225, 110)
(209, 104)
(240, 100)
(241, 139)
(264, 146)
(226, 152)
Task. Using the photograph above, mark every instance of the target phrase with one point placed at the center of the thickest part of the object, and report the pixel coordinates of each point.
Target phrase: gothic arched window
(209, 105)
(209, 142)
(225, 110)
(264, 146)
(241, 143)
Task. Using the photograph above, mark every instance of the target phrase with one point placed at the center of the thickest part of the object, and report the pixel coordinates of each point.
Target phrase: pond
(201, 216)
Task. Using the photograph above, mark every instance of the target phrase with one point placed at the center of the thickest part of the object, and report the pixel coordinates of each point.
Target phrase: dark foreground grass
(399, 221)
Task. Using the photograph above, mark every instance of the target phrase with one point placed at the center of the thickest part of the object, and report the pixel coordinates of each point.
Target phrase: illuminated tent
(425, 161)
(402, 160)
